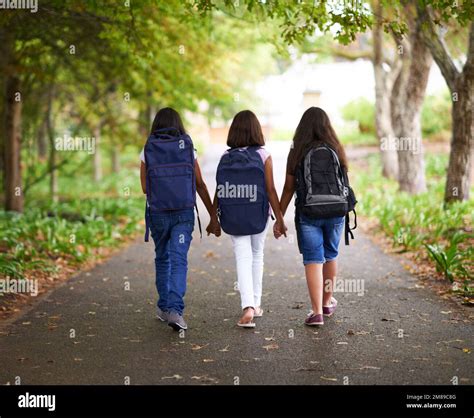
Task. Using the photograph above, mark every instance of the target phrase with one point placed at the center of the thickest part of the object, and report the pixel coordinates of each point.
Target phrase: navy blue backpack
(170, 179)
(243, 206)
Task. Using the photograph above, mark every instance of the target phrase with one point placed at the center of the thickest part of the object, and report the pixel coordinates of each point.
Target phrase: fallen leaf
(272, 337)
(307, 369)
(205, 378)
(466, 350)
(450, 341)
(332, 379)
(270, 347)
(225, 349)
(175, 376)
(196, 347)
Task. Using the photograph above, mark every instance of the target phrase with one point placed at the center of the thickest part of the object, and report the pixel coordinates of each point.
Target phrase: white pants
(248, 251)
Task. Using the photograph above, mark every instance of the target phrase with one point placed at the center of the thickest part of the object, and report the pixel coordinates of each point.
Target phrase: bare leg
(329, 275)
(314, 279)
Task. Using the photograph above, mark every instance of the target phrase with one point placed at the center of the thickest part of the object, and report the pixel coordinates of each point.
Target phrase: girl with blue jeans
(318, 239)
(171, 231)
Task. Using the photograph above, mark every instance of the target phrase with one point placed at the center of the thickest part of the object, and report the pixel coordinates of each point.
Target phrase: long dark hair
(315, 127)
(245, 130)
(168, 118)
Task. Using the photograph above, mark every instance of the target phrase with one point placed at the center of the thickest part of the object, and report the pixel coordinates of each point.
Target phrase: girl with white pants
(246, 131)
(248, 251)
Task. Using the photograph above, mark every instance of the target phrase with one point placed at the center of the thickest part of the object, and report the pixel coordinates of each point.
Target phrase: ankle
(317, 311)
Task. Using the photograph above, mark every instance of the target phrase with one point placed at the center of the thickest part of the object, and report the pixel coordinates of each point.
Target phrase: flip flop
(258, 313)
(246, 325)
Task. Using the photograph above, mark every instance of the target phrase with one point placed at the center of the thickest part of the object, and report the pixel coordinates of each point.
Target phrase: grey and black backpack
(322, 188)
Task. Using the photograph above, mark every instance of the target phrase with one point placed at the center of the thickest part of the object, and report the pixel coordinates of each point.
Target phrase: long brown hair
(245, 130)
(315, 127)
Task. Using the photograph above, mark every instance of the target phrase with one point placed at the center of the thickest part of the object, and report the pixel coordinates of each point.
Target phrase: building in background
(284, 97)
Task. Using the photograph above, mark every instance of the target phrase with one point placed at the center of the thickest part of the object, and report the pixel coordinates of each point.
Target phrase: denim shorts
(318, 239)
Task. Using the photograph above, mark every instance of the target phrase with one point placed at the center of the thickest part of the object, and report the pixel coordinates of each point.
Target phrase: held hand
(276, 231)
(279, 229)
(214, 228)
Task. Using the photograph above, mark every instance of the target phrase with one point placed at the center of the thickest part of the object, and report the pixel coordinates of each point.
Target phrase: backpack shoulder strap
(199, 219)
(347, 229)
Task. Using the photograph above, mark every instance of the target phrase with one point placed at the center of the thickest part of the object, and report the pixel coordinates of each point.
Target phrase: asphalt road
(394, 333)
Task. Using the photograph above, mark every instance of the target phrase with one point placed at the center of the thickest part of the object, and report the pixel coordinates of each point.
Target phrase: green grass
(88, 216)
(356, 138)
(422, 223)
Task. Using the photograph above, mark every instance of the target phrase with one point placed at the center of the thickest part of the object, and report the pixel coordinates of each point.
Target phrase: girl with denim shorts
(318, 239)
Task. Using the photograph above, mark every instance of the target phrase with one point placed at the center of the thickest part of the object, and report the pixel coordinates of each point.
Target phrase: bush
(88, 216)
(361, 111)
(436, 117)
(69, 230)
(421, 223)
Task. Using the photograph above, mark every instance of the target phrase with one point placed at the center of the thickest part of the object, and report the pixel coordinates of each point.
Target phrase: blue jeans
(172, 233)
(318, 239)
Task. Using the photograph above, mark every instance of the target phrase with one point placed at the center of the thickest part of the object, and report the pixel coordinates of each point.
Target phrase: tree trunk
(115, 157)
(407, 99)
(461, 84)
(97, 158)
(53, 176)
(383, 88)
(42, 140)
(12, 158)
(458, 180)
(53, 172)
